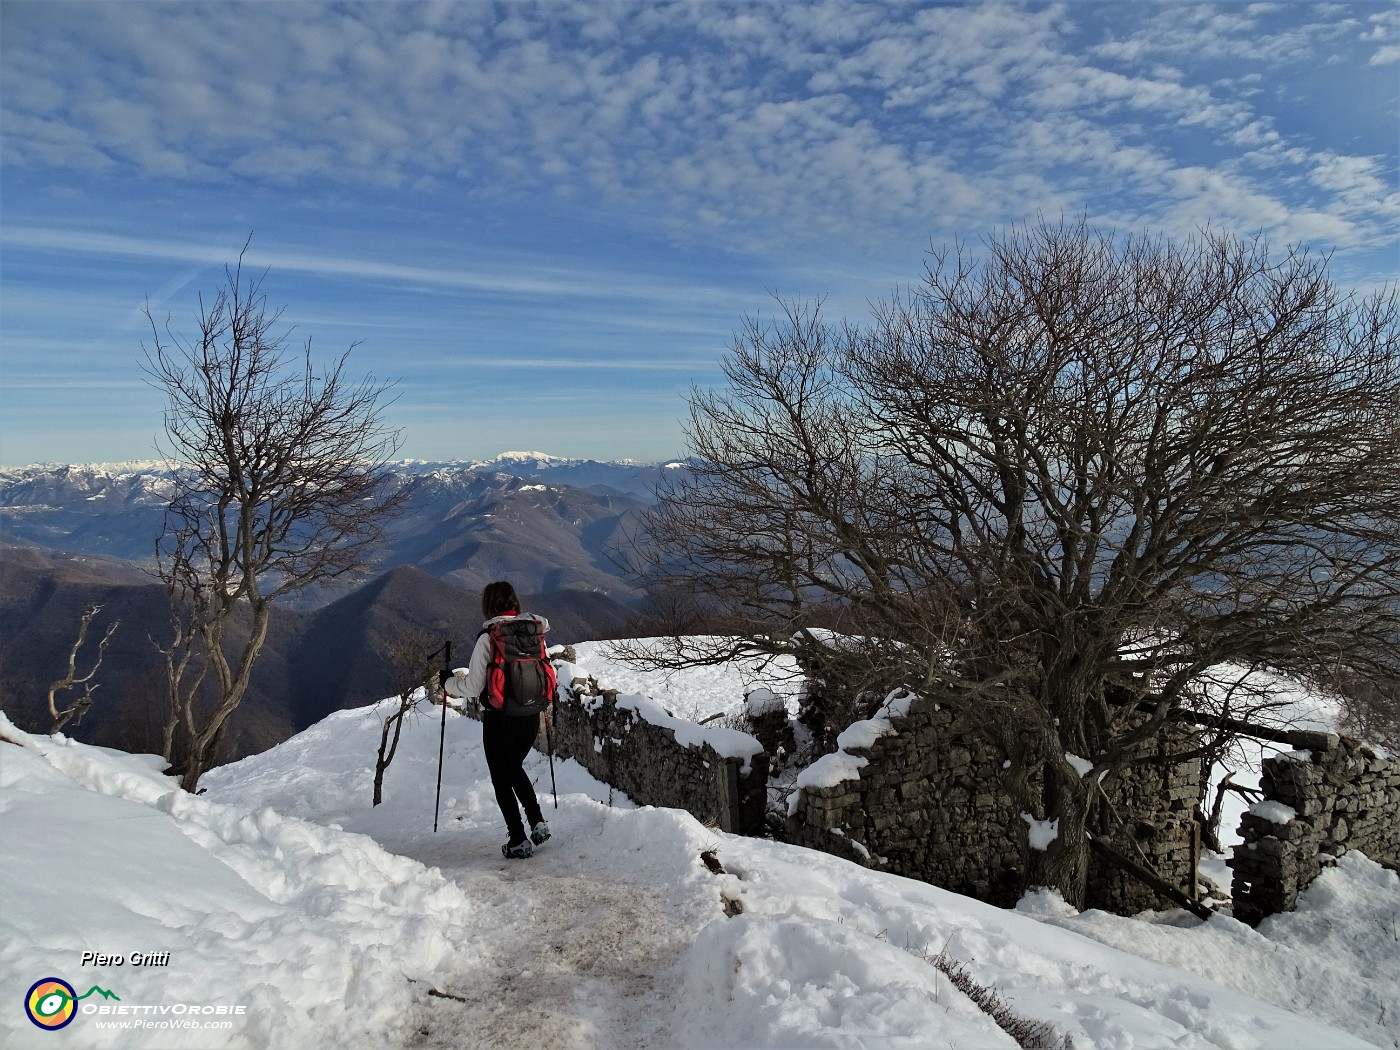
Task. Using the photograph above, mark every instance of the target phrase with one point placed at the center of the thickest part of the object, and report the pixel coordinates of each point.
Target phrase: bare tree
(73, 680)
(409, 653)
(281, 483)
(1051, 487)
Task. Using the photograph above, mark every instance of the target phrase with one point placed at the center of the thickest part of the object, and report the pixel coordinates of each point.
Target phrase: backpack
(520, 680)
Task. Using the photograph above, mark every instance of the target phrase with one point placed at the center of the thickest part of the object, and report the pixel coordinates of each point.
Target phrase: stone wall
(718, 775)
(916, 799)
(906, 794)
(1162, 832)
(1327, 796)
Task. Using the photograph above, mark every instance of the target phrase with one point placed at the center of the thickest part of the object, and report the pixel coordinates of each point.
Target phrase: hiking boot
(540, 834)
(517, 850)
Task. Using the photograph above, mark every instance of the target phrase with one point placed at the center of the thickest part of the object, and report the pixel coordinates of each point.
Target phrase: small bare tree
(281, 483)
(409, 655)
(73, 680)
(1050, 488)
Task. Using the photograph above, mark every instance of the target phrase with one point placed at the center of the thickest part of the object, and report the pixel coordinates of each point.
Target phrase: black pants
(507, 739)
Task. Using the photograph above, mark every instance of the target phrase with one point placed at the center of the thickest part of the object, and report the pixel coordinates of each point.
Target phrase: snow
(1274, 812)
(335, 924)
(693, 693)
(762, 701)
(1292, 706)
(842, 764)
(313, 931)
(728, 743)
(864, 733)
(826, 772)
(1041, 832)
(539, 457)
(1082, 766)
(716, 692)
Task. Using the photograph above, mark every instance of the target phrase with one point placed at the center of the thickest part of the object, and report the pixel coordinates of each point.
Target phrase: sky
(543, 222)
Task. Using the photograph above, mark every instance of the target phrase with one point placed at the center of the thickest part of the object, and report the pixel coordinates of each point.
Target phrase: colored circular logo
(51, 1003)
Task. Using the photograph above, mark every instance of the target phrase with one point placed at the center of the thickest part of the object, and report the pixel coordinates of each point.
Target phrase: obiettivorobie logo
(52, 1002)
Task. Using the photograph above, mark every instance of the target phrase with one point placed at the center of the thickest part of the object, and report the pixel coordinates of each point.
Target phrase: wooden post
(727, 792)
(1149, 878)
(1193, 890)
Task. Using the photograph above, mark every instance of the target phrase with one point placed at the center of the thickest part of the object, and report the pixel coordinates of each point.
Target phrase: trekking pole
(442, 733)
(549, 738)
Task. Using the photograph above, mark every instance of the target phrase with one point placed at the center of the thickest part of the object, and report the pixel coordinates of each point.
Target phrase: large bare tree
(281, 483)
(1053, 486)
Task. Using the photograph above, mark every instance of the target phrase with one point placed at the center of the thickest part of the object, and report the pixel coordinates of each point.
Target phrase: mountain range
(76, 536)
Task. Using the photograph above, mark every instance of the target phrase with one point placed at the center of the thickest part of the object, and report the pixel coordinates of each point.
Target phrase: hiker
(513, 680)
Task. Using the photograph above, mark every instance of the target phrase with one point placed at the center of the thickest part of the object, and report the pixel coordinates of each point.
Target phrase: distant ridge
(313, 663)
(158, 466)
(133, 466)
(547, 523)
(72, 536)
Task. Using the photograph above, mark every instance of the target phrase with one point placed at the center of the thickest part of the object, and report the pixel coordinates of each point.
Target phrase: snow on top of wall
(727, 743)
(762, 700)
(841, 765)
(1273, 812)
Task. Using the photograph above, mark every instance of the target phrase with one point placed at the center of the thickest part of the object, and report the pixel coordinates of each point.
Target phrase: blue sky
(544, 221)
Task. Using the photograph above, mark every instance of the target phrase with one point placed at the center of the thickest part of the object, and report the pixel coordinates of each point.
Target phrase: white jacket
(467, 682)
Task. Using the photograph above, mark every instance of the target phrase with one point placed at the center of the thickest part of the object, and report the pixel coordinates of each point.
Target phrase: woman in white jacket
(506, 734)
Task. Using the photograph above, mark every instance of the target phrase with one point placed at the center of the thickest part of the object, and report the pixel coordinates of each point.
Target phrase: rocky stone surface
(918, 799)
(1327, 796)
(646, 761)
(929, 804)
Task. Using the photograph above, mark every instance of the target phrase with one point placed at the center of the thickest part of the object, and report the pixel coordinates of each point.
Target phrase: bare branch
(407, 652)
(72, 679)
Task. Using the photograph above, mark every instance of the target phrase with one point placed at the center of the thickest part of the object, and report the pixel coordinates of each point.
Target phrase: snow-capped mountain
(627, 477)
(72, 537)
(548, 522)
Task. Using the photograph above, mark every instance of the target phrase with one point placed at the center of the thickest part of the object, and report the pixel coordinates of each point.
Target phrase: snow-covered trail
(568, 956)
(566, 962)
(570, 948)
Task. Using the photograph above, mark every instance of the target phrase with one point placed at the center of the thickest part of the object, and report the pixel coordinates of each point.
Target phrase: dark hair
(498, 599)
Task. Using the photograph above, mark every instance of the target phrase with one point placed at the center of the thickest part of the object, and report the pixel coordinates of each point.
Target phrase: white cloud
(494, 277)
(776, 123)
(1384, 33)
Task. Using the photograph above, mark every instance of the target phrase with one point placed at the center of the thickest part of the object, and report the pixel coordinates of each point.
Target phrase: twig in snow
(1029, 1035)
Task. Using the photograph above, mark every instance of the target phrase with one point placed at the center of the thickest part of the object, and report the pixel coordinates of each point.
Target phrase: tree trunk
(233, 683)
(1063, 864)
(387, 750)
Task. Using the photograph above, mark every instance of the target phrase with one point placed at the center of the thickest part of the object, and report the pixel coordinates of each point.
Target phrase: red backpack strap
(494, 694)
(547, 666)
